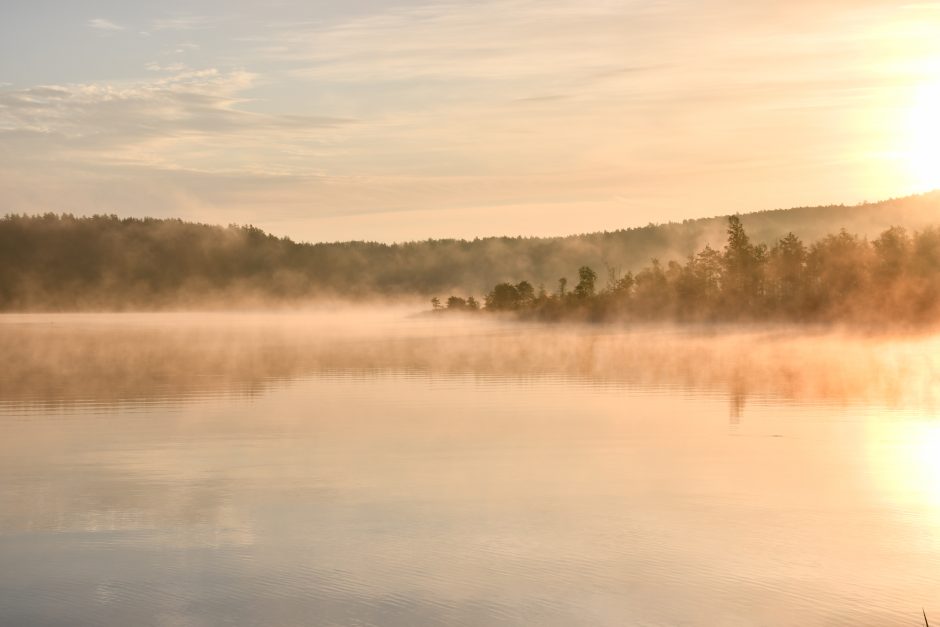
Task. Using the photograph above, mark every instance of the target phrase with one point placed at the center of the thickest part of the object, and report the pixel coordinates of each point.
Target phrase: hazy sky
(376, 119)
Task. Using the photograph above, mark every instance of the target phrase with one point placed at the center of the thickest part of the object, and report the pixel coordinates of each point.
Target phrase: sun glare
(922, 150)
(906, 460)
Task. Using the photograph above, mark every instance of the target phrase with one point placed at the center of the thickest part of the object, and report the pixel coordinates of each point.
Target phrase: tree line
(840, 277)
(105, 262)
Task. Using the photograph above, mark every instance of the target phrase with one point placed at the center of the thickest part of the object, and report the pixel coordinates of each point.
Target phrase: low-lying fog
(106, 358)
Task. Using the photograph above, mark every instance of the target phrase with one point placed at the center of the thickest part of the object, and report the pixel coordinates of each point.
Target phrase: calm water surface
(371, 469)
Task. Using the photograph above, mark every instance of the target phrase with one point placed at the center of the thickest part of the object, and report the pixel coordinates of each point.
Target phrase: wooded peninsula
(840, 278)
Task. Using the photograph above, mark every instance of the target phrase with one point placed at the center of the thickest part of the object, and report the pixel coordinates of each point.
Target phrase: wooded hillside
(59, 261)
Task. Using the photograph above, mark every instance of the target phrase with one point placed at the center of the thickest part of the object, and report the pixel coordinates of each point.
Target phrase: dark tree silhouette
(503, 297)
(786, 275)
(585, 286)
(526, 293)
(743, 270)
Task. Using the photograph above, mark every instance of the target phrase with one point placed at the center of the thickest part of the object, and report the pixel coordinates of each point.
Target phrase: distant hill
(65, 262)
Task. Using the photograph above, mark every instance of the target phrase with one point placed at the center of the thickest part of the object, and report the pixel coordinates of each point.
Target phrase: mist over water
(123, 358)
(367, 466)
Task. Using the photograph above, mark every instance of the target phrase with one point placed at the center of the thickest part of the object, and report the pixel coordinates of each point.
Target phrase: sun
(922, 130)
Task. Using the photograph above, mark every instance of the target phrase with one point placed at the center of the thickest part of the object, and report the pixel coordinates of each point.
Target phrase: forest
(894, 278)
(62, 262)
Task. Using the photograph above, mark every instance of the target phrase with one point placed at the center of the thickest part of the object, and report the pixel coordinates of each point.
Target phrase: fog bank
(117, 359)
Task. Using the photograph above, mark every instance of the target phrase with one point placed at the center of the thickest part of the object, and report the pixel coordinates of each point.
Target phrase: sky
(392, 121)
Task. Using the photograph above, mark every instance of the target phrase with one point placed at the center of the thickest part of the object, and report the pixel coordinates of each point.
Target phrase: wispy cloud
(100, 23)
(182, 48)
(497, 40)
(184, 23)
(171, 67)
(185, 120)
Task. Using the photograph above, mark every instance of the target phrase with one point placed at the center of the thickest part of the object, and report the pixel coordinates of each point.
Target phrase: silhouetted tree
(837, 268)
(526, 292)
(786, 275)
(503, 297)
(742, 272)
(651, 291)
(585, 286)
(456, 303)
(893, 250)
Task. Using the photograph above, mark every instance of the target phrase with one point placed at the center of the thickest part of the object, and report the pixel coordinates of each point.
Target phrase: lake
(368, 467)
